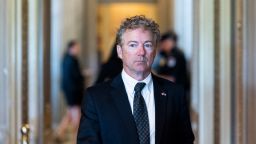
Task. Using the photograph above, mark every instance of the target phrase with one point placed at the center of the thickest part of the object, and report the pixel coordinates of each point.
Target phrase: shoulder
(99, 88)
(67, 60)
(96, 94)
(162, 82)
(178, 52)
(169, 86)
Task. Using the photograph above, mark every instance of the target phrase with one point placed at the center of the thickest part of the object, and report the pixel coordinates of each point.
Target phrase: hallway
(216, 36)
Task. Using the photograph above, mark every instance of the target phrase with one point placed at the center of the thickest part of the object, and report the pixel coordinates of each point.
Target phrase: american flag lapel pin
(163, 93)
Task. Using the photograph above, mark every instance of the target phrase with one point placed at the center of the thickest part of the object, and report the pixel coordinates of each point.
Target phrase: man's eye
(148, 45)
(132, 45)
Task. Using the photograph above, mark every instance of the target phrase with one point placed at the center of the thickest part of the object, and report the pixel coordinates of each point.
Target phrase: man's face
(137, 51)
(75, 50)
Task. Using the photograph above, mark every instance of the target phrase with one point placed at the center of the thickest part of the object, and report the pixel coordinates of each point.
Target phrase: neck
(139, 76)
(72, 54)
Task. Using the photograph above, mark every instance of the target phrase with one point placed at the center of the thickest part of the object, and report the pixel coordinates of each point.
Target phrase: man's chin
(142, 70)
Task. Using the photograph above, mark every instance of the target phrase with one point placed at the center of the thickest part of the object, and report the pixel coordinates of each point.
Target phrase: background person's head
(168, 41)
(137, 40)
(73, 48)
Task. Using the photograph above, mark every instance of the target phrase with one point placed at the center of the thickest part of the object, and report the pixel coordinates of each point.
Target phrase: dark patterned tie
(140, 114)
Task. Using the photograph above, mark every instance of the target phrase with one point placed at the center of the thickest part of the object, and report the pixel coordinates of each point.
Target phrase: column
(34, 102)
(90, 53)
(225, 71)
(206, 72)
(249, 70)
(183, 25)
(10, 63)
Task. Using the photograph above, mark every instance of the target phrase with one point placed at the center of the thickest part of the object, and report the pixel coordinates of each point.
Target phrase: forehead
(137, 34)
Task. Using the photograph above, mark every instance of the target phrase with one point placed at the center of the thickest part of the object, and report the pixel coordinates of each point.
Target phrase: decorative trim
(237, 65)
(249, 69)
(46, 16)
(217, 73)
(25, 61)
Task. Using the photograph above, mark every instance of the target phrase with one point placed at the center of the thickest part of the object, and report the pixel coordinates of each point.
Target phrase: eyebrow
(138, 42)
(148, 41)
(133, 41)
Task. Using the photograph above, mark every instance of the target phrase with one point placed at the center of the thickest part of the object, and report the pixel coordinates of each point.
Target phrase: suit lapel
(121, 101)
(160, 95)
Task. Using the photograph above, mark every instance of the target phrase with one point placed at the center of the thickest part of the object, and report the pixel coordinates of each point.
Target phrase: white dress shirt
(148, 95)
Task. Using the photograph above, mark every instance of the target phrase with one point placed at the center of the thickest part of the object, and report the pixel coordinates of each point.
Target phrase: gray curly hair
(138, 21)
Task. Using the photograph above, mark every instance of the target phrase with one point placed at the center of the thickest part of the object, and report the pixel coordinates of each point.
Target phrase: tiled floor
(67, 138)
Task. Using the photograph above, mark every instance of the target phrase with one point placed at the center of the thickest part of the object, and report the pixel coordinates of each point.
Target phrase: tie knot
(139, 86)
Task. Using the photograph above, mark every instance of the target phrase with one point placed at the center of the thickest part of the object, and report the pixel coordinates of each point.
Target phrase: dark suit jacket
(107, 117)
(72, 80)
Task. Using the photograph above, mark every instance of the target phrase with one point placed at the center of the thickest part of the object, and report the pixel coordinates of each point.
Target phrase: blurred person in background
(73, 87)
(111, 68)
(170, 62)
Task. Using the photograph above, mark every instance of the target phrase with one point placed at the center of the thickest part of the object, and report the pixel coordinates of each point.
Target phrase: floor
(68, 136)
(67, 139)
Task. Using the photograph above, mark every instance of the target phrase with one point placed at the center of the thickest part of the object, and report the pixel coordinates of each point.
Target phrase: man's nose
(141, 50)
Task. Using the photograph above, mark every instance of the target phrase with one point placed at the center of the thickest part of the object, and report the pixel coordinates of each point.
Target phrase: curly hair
(138, 21)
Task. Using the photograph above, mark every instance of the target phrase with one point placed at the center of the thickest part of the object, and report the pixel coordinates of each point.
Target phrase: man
(135, 107)
(73, 87)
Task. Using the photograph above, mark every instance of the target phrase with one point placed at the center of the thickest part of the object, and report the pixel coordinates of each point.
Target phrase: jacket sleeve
(185, 132)
(89, 129)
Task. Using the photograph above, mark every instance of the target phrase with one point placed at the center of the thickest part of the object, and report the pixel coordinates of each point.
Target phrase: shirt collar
(131, 82)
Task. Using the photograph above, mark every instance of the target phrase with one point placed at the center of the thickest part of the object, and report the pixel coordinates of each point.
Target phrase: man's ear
(119, 51)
